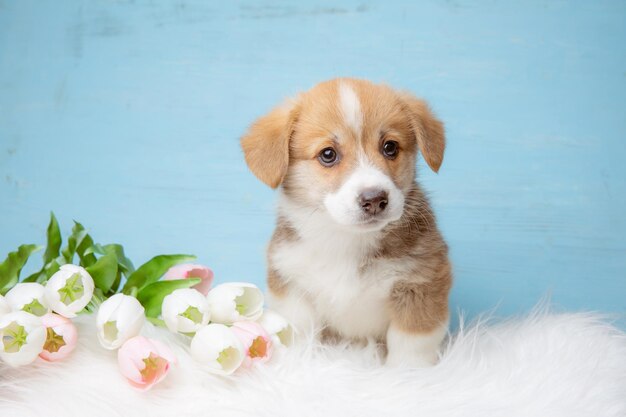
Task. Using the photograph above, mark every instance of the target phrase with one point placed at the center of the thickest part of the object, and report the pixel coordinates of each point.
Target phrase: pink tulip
(185, 271)
(61, 337)
(144, 362)
(257, 343)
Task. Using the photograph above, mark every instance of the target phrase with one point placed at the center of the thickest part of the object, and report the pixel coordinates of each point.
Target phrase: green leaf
(86, 259)
(154, 269)
(116, 282)
(51, 268)
(96, 248)
(46, 272)
(51, 255)
(124, 264)
(34, 277)
(156, 322)
(77, 244)
(151, 297)
(53, 235)
(75, 239)
(104, 272)
(97, 299)
(13, 264)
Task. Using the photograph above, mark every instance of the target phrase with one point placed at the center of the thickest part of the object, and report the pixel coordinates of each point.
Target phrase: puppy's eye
(327, 157)
(390, 149)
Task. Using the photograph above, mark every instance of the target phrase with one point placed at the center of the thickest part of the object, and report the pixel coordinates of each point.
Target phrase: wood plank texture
(126, 115)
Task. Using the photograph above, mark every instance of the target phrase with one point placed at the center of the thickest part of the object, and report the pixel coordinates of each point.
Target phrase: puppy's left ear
(429, 131)
(266, 144)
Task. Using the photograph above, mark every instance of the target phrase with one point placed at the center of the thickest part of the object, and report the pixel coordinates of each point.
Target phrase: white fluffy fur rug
(544, 365)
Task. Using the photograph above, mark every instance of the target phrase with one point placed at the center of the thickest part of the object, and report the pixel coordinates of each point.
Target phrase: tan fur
(419, 302)
(421, 307)
(282, 233)
(428, 130)
(283, 148)
(266, 145)
(320, 125)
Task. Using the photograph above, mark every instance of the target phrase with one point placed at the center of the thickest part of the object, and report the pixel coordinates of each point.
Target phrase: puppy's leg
(292, 305)
(414, 349)
(419, 322)
(297, 310)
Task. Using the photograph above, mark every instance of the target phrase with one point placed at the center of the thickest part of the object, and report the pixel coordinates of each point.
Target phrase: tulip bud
(185, 311)
(144, 362)
(69, 290)
(256, 342)
(28, 297)
(185, 271)
(4, 306)
(235, 301)
(119, 318)
(22, 337)
(217, 347)
(278, 328)
(61, 337)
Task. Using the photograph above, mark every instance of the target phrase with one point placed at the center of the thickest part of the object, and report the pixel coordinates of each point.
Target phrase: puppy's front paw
(411, 360)
(413, 350)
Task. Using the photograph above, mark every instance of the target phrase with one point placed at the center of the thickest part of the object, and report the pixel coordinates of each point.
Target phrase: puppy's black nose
(373, 201)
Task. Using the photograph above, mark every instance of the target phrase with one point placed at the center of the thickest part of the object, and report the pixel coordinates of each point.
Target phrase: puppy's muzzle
(373, 201)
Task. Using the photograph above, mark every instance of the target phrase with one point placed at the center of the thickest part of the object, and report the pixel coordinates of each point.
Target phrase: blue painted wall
(126, 116)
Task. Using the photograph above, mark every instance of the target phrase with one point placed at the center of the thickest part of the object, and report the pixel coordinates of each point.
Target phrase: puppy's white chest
(349, 298)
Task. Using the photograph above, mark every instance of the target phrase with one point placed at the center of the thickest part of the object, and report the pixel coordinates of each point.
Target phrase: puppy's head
(347, 147)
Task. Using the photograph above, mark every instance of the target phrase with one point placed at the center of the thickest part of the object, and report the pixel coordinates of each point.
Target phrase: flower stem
(156, 322)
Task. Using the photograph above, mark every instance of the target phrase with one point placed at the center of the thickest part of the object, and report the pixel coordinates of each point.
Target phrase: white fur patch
(414, 349)
(343, 205)
(325, 265)
(299, 310)
(329, 287)
(350, 107)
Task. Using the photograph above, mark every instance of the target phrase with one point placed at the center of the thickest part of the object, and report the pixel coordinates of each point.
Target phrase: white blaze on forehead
(350, 107)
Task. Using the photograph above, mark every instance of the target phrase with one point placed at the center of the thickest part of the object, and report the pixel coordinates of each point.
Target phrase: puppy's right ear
(266, 144)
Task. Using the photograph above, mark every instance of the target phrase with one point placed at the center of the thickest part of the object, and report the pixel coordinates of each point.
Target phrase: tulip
(257, 343)
(278, 328)
(4, 306)
(22, 338)
(144, 362)
(185, 271)
(28, 297)
(235, 301)
(61, 337)
(185, 311)
(69, 290)
(217, 347)
(119, 318)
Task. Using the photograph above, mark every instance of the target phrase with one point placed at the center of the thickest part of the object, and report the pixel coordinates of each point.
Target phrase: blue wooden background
(126, 115)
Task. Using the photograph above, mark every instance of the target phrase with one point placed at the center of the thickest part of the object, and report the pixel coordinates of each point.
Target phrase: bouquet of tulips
(227, 325)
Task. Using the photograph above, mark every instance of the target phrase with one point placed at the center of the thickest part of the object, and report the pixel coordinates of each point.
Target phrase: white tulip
(69, 290)
(22, 337)
(278, 327)
(235, 301)
(119, 318)
(28, 297)
(219, 348)
(185, 310)
(4, 306)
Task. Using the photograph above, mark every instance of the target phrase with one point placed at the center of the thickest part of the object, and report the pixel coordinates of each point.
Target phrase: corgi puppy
(356, 253)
